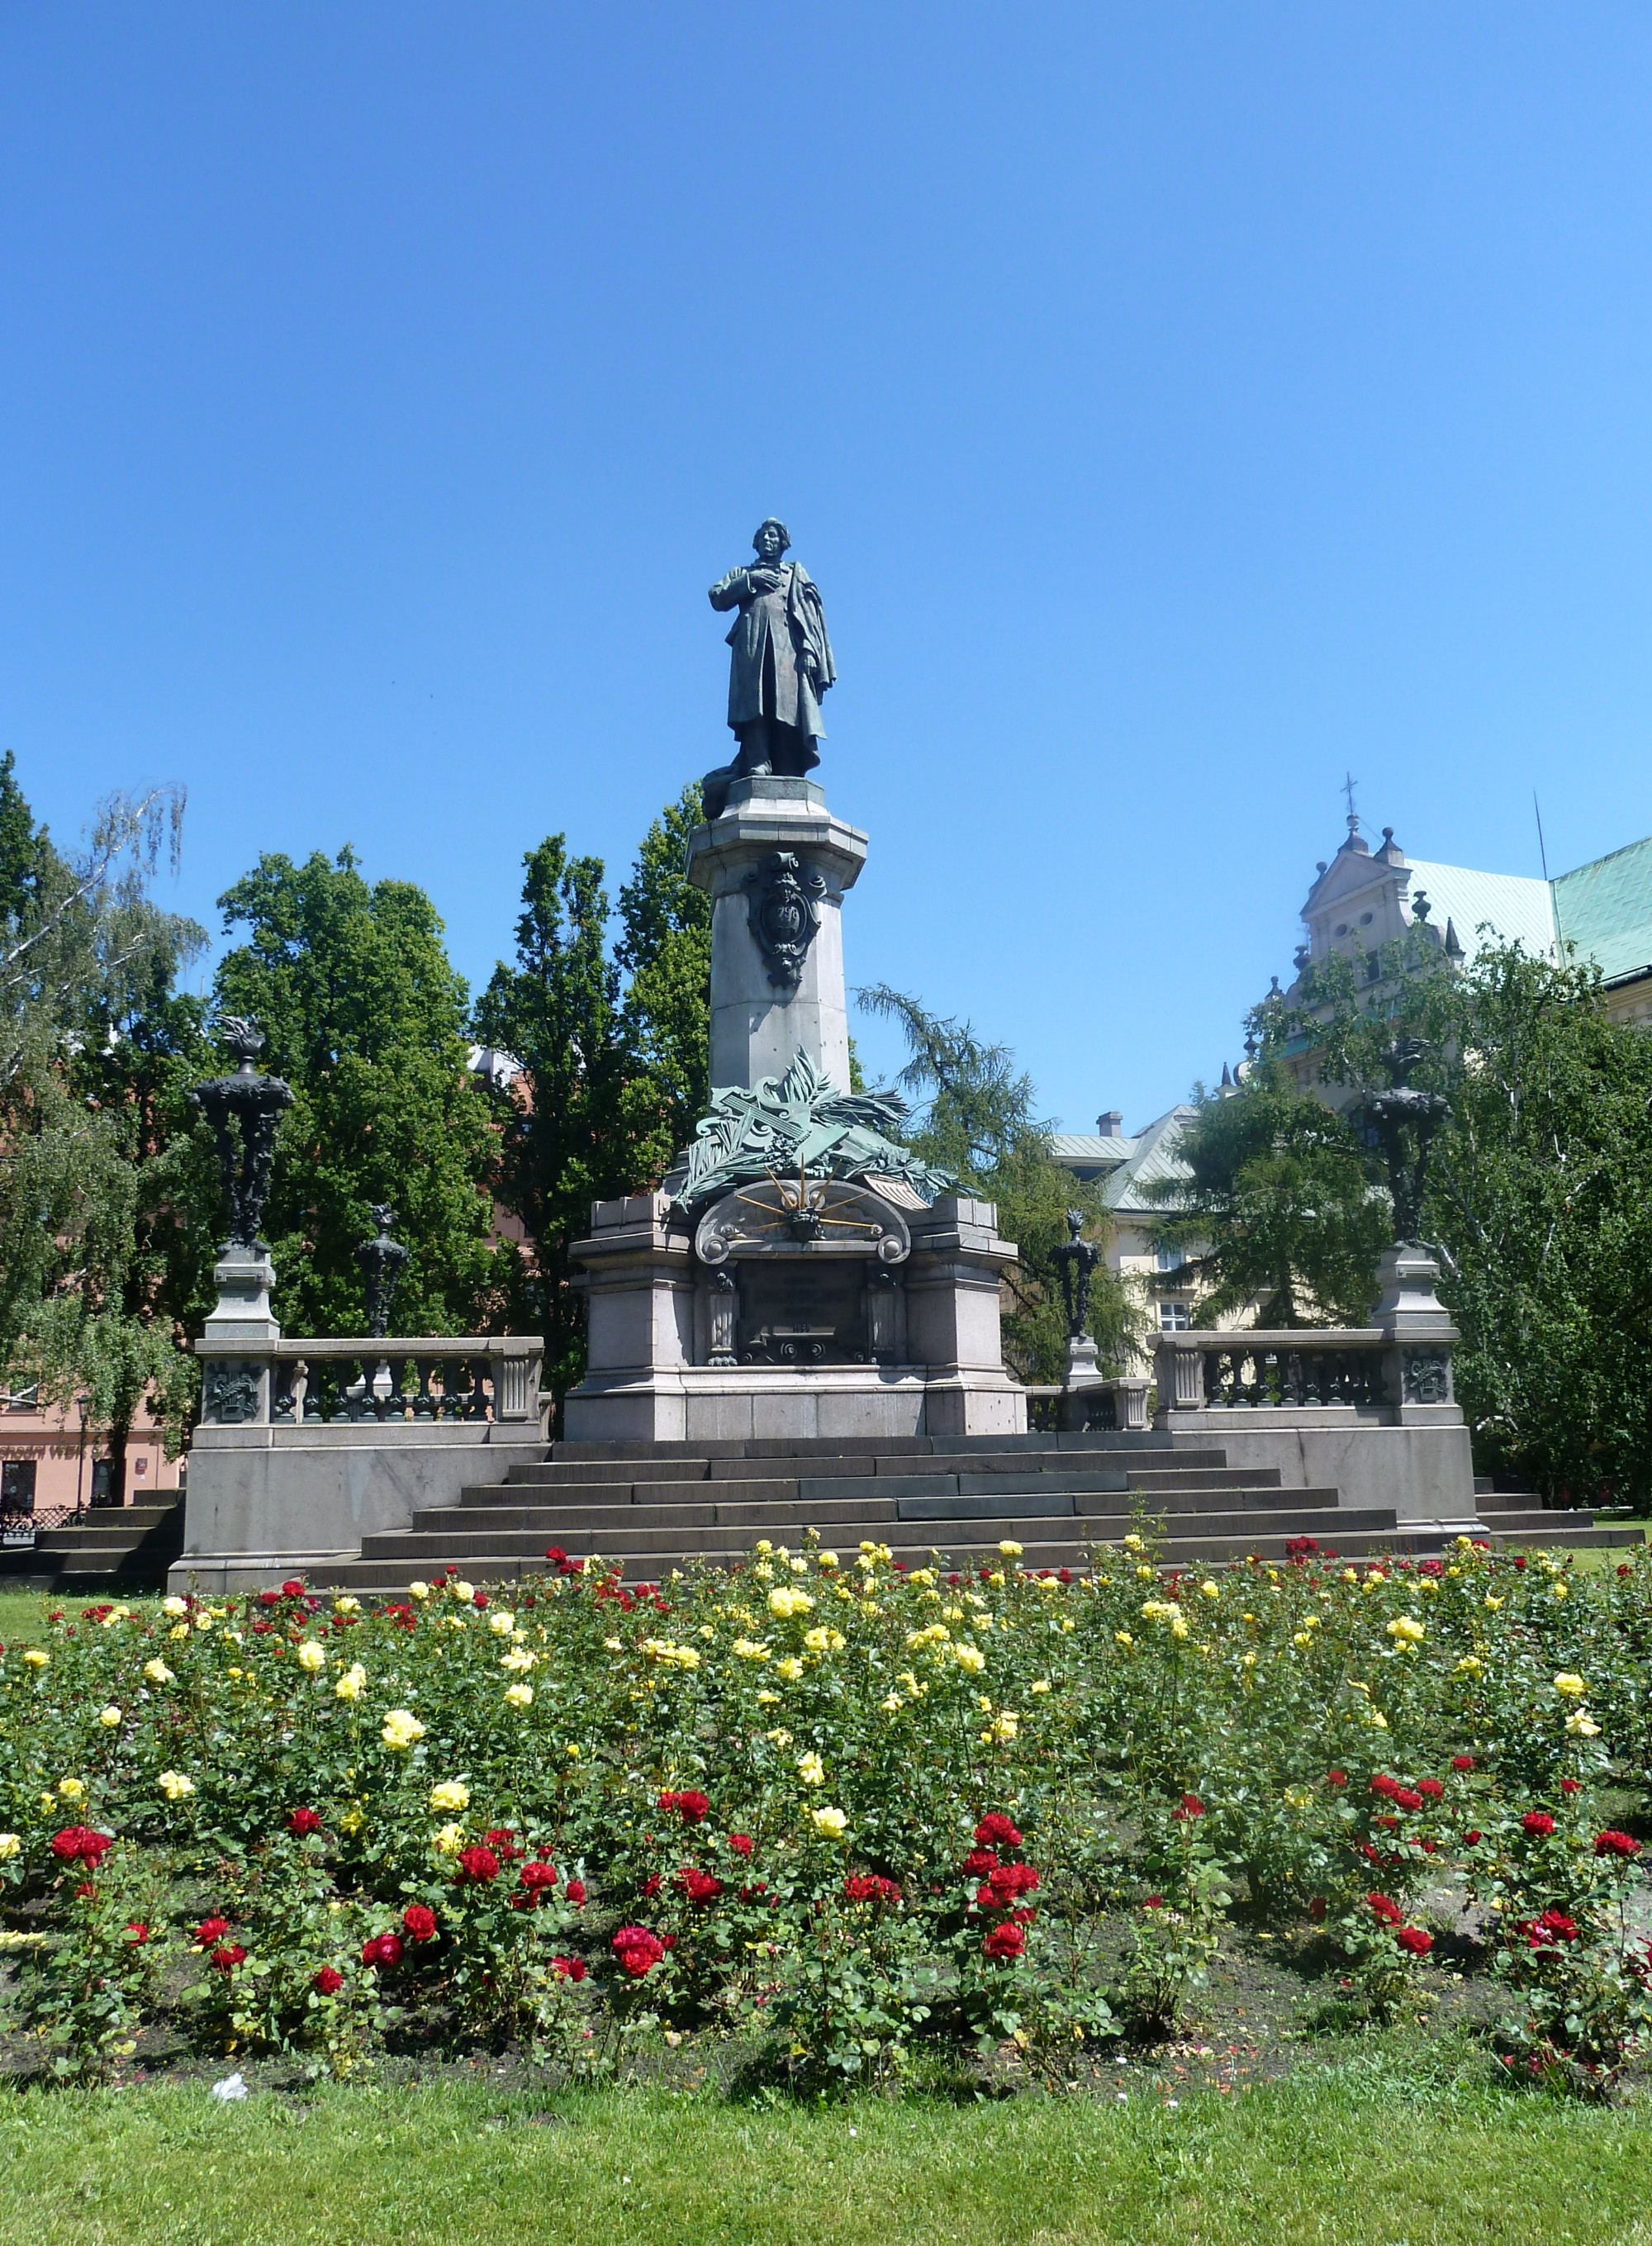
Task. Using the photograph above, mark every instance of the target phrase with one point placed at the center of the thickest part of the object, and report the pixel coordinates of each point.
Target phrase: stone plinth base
(264, 1503)
(1424, 1471)
(698, 1403)
(648, 1381)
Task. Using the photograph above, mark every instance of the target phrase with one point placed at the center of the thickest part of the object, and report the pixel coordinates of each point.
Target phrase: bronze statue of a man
(780, 666)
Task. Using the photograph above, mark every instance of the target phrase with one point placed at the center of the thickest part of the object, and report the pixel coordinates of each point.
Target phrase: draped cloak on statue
(766, 677)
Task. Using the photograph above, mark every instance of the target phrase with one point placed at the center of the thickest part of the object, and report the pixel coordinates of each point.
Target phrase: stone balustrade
(1295, 1368)
(434, 1378)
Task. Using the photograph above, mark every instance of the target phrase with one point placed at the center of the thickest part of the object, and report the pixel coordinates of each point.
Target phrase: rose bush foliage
(839, 1809)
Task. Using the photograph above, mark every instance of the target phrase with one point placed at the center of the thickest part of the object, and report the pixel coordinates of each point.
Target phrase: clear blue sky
(1177, 406)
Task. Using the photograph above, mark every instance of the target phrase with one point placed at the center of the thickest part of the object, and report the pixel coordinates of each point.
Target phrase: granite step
(458, 1540)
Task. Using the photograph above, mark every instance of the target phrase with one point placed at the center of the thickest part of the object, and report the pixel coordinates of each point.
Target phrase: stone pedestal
(665, 1362)
(761, 1013)
(1417, 1329)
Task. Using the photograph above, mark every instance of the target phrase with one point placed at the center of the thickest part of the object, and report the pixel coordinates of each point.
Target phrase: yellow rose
(831, 1824)
(1571, 1683)
(11, 1846)
(1583, 1725)
(892, 1703)
(1011, 1549)
(826, 1559)
(501, 1622)
(347, 1605)
(1005, 1726)
(786, 1600)
(352, 1684)
(312, 1655)
(175, 1606)
(451, 1793)
(1043, 1686)
(811, 1769)
(449, 1840)
(36, 1657)
(463, 1592)
(420, 1591)
(1208, 1591)
(518, 1659)
(520, 1696)
(970, 1658)
(789, 1670)
(174, 1785)
(401, 1728)
(70, 1789)
(156, 1671)
(749, 1648)
(109, 1716)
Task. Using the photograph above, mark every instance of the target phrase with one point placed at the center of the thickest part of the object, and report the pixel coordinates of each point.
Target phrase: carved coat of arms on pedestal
(783, 908)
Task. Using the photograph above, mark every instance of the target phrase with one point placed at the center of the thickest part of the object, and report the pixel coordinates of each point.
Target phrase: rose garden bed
(837, 1821)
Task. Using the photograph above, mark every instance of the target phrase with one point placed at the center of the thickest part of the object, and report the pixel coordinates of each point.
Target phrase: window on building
(16, 1485)
(100, 1481)
(1172, 1259)
(20, 1399)
(1175, 1317)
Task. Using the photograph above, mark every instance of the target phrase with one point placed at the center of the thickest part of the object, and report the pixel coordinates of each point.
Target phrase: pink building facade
(53, 1461)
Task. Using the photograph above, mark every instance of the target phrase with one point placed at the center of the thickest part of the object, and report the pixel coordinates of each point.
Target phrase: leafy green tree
(366, 1018)
(977, 1119)
(1276, 1210)
(665, 952)
(614, 1048)
(1540, 1194)
(96, 1261)
(557, 1011)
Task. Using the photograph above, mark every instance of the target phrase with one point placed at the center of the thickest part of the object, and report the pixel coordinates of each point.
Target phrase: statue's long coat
(772, 629)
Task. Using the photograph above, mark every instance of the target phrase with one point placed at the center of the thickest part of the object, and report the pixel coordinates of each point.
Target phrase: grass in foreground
(1386, 2148)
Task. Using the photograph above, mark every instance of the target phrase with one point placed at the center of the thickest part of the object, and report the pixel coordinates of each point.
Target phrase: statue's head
(771, 539)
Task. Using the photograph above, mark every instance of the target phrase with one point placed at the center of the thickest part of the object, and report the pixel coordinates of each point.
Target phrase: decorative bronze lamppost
(383, 1260)
(243, 1110)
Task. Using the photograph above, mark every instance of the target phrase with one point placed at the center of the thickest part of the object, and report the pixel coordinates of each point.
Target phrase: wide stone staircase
(653, 1506)
(131, 1546)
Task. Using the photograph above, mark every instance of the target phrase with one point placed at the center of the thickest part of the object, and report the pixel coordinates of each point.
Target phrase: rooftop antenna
(1543, 855)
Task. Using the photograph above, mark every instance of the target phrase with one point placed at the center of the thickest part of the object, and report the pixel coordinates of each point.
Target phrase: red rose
(1570, 1786)
(1624, 1568)
(576, 1893)
(1462, 1762)
(292, 1589)
(691, 1808)
(269, 1598)
(1384, 1910)
(1191, 1806)
(1430, 1789)
(79, 1844)
(1404, 1799)
(1153, 1903)
(1003, 1943)
(478, 1866)
(1537, 1822)
(478, 1599)
(1550, 1931)
(1384, 1785)
(1336, 1778)
(698, 1886)
(305, 1820)
(994, 1831)
(650, 1887)
(1519, 1562)
(228, 1956)
(327, 1982)
(138, 1930)
(1616, 1844)
(867, 1887)
(555, 1555)
(1063, 1575)
(418, 1922)
(637, 1950)
(978, 1864)
(211, 1930)
(1414, 1939)
(1471, 1840)
(504, 1844)
(571, 1969)
(741, 1843)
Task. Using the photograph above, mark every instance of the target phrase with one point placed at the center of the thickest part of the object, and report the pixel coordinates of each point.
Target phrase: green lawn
(1382, 2150)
